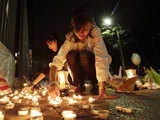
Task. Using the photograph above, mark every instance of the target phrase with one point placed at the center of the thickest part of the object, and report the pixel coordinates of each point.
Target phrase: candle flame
(68, 114)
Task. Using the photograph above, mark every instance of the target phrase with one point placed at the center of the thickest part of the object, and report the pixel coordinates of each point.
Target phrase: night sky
(53, 16)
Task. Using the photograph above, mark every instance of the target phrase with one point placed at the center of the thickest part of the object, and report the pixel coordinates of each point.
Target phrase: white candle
(91, 100)
(1, 115)
(77, 96)
(71, 101)
(68, 115)
(4, 100)
(10, 105)
(23, 112)
(56, 102)
(61, 79)
(131, 73)
(36, 113)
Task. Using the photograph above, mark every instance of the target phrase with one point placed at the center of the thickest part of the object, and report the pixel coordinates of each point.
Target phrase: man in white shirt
(80, 46)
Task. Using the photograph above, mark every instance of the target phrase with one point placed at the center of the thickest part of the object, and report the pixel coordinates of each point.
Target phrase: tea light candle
(77, 96)
(10, 105)
(4, 100)
(1, 115)
(62, 81)
(68, 115)
(85, 106)
(35, 113)
(44, 92)
(23, 112)
(91, 100)
(56, 102)
(71, 101)
(131, 73)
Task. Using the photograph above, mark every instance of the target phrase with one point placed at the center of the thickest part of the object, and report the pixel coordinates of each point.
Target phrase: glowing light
(1, 115)
(23, 111)
(4, 99)
(107, 21)
(131, 73)
(35, 113)
(57, 101)
(61, 79)
(25, 84)
(71, 101)
(67, 114)
(10, 105)
(77, 96)
(91, 100)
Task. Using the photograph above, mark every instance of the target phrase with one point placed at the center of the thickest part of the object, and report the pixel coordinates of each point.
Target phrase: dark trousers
(82, 65)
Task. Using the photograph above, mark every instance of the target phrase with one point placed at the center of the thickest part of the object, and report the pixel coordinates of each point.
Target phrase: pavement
(143, 103)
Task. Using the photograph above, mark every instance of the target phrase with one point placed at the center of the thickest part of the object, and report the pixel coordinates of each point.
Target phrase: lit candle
(35, 113)
(1, 115)
(77, 96)
(4, 100)
(56, 102)
(23, 111)
(71, 101)
(25, 84)
(91, 100)
(44, 92)
(131, 73)
(10, 105)
(61, 79)
(68, 115)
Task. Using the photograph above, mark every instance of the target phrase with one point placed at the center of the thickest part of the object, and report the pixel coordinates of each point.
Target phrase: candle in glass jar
(69, 115)
(1, 115)
(91, 100)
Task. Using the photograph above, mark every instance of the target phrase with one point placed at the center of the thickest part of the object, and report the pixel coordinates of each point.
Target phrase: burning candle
(56, 102)
(61, 79)
(23, 111)
(10, 105)
(25, 84)
(35, 113)
(91, 99)
(77, 96)
(1, 115)
(131, 73)
(44, 92)
(71, 101)
(4, 100)
(68, 115)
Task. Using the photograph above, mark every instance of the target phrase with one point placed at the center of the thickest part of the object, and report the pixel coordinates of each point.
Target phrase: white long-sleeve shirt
(93, 43)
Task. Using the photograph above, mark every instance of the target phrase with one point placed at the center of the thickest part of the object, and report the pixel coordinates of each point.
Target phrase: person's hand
(53, 91)
(73, 87)
(52, 45)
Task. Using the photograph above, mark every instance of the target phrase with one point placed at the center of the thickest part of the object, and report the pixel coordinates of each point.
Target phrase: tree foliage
(110, 36)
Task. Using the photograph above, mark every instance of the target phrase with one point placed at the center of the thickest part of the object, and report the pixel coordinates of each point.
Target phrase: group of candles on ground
(30, 106)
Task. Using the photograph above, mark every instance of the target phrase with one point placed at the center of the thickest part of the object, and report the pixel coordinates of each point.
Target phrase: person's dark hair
(52, 37)
(80, 17)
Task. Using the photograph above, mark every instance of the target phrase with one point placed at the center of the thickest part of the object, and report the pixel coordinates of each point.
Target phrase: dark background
(139, 17)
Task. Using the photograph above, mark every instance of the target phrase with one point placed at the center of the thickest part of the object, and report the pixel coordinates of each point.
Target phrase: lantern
(68, 115)
(63, 79)
(131, 73)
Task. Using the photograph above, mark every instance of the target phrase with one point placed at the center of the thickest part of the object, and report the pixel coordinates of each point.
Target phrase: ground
(144, 103)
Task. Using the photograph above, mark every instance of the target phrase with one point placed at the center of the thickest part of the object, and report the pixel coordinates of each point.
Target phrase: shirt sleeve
(60, 58)
(102, 58)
